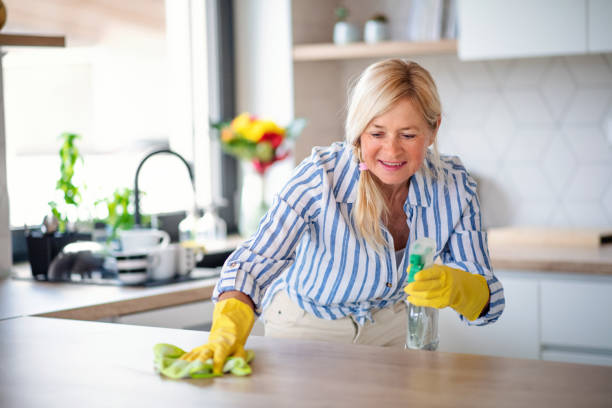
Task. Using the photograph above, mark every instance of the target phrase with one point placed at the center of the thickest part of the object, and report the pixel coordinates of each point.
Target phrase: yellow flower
(261, 127)
(242, 123)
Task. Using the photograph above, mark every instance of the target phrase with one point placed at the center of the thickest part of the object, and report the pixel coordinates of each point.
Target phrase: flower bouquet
(263, 143)
(260, 141)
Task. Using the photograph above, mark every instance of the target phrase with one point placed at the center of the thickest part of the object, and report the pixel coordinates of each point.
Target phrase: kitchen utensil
(161, 263)
(187, 256)
(142, 240)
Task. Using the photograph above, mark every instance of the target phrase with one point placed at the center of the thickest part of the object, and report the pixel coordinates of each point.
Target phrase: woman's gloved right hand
(232, 323)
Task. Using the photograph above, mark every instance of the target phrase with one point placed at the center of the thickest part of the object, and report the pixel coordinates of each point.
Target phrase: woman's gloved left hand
(440, 286)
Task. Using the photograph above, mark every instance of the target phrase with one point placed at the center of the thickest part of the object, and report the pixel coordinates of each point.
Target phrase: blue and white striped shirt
(308, 243)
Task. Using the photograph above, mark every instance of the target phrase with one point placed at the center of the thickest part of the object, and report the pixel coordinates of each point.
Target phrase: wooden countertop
(571, 259)
(67, 363)
(93, 302)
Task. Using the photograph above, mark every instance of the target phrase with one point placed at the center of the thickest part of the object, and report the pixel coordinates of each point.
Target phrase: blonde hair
(376, 90)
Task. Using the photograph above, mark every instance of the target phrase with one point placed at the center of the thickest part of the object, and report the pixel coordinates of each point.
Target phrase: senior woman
(329, 259)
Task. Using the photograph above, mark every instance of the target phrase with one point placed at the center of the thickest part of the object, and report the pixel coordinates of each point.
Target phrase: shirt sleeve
(467, 249)
(257, 262)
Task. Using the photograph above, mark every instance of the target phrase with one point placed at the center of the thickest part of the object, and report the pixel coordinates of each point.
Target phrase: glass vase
(253, 205)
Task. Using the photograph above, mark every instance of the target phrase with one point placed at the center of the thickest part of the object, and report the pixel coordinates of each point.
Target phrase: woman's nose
(394, 145)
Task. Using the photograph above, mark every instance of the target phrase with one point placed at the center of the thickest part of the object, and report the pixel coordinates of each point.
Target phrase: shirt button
(389, 284)
(234, 264)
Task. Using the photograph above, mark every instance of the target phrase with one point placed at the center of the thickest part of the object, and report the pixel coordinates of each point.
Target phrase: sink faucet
(136, 191)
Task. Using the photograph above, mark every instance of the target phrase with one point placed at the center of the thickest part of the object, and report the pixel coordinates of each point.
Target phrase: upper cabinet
(599, 25)
(529, 28)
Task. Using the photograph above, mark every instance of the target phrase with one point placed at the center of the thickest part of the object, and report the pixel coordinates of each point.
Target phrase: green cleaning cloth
(166, 360)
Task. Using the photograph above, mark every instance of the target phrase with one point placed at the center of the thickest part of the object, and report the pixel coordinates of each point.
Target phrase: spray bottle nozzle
(416, 264)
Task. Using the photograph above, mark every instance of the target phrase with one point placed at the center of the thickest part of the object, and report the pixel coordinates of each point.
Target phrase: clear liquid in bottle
(422, 331)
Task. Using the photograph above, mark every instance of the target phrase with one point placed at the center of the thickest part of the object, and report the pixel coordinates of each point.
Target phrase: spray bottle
(422, 321)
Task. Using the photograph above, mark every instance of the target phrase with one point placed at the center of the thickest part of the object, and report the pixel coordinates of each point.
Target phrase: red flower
(275, 139)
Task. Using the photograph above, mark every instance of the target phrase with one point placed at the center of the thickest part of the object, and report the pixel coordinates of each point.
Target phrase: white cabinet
(548, 316)
(197, 315)
(600, 25)
(515, 334)
(577, 314)
(192, 316)
(528, 28)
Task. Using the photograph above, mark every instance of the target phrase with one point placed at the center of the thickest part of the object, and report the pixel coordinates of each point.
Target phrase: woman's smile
(392, 165)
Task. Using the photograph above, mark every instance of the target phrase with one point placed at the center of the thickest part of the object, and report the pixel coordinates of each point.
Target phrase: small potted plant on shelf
(344, 32)
(376, 29)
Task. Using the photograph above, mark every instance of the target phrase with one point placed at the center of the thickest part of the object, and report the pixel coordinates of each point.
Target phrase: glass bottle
(422, 321)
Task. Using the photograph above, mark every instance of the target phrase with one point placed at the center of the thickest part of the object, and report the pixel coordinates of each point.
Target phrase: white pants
(285, 319)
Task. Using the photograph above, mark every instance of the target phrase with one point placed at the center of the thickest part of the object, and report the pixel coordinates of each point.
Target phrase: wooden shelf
(26, 40)
(318, 52)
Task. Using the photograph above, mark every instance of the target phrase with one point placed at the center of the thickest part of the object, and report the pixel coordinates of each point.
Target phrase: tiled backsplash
(536, 133)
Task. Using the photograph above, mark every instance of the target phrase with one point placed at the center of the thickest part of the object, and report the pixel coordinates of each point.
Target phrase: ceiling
(84, 22)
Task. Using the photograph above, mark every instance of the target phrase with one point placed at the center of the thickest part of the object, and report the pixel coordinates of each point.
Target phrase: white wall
(264, 77)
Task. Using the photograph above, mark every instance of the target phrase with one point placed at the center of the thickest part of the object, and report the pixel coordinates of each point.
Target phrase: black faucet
(136, 192)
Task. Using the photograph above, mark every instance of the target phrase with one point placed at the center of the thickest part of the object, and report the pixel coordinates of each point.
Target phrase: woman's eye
(377, 134)
(408, 135)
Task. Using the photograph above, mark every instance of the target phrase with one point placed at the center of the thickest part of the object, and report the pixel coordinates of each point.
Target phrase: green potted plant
(376, 29)
(58, 227)
(120, 215)
(344, 32)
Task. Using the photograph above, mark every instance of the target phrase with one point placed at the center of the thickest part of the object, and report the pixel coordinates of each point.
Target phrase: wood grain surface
(60, 363)
(92, 302)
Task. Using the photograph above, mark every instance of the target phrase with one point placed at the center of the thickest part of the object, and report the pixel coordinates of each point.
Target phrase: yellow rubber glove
(232, 323)
(441, 286)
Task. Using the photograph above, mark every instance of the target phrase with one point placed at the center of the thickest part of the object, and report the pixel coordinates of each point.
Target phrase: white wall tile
(530, 142)
(531, 182)
(470, 144)
(559, 164)
(500, 127)
(587, 214)
(535, 212)
(589, 182)
(607, 201)
(607, 126)
(471, 108)
(536, 133)
(500, 69)
(528, 107)
(590, 69)
(559, 217)
(588, 143)
(527, 73)
(587, 106)
(474, 75)
(558, 87)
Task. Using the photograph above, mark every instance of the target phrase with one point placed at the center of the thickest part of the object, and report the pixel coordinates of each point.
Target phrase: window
(127, 82)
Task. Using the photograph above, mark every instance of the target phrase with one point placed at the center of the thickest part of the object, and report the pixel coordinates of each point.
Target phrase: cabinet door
(515, 334)
(600, 25)
(197, 315)
(576, 313)
(521, 28)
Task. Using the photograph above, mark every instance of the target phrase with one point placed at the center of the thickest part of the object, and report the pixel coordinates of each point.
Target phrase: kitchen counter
(94, 302)
(60, 363)
(571, 259)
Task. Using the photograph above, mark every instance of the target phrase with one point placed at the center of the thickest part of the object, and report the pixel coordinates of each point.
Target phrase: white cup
(143, 240)
(161, 263)
(186, 259)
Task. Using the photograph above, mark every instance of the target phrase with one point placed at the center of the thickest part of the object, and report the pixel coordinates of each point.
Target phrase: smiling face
(393, 144)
